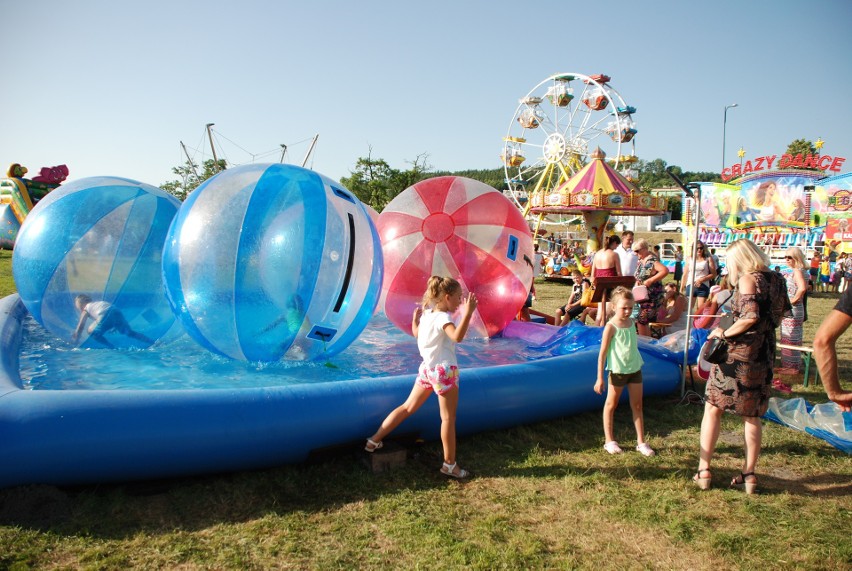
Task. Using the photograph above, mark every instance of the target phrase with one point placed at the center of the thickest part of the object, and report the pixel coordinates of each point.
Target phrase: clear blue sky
(111, 87)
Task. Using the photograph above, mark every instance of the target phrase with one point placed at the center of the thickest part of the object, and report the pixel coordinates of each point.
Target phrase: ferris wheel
(557, 126)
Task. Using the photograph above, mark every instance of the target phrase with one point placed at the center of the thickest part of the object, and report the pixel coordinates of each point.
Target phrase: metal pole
(689, 317)
(724, 128)
(188, 159)
(693, 191)
(210, 136)
(311, 148)
(283, 152)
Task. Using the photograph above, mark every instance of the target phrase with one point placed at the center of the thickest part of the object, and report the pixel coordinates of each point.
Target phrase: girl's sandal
(703, 483)
(740, 483)
(372, 446)
(453, 471)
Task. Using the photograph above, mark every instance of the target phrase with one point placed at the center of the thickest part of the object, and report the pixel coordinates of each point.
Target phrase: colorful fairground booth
(777, 202)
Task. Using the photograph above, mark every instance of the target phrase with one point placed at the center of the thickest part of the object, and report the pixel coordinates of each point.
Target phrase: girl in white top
(698, 279)
(437, 335)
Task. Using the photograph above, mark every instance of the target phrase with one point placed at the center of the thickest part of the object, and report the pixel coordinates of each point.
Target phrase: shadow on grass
(566, 447)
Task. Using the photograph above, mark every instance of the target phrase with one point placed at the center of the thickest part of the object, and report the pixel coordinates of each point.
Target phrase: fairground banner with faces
(763, 201)
(838, 228)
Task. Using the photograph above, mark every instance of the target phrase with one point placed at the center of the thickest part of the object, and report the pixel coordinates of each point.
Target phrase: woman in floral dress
(649, 273)
(740, 384)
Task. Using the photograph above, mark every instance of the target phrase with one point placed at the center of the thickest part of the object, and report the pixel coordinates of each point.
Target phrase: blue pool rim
(93, 436)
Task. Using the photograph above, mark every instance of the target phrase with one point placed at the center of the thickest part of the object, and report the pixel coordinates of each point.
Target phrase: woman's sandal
(373, 446)
(740, 483)
(453, 471)
(703, 483)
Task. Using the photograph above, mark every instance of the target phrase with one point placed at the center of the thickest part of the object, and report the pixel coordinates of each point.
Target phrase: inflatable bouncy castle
(18, 195)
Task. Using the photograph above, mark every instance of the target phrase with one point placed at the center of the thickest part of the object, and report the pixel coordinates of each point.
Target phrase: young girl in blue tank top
(620, 356)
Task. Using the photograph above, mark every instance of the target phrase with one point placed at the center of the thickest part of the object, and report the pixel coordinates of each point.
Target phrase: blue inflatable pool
(88, 436)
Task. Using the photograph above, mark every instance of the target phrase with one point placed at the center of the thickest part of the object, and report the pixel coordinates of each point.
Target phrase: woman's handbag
(640, 293)
(715, 350)
(586, 298)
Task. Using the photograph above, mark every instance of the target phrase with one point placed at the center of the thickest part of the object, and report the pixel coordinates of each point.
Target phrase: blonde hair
(798, 257)
(620, 293)
(640, 244)
(437, 287)
(744, 257)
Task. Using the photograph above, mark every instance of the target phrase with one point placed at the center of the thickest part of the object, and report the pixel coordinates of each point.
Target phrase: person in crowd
(836, 275)
(524, 313)
(626, 255)
(716, 265)
(718, 304)
(813, 271)
(538, 258)
(678, 266)
(569, 311)
(700, 277)
(741, 383)
(825, 350)
(845, 263)
(672, 313)
(792, 326)
(824, 274)
(649, 273)
(606, 264)
(620, 356)
(437, 335)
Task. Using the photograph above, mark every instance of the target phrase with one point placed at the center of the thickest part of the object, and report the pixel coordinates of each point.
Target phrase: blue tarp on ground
(824, 420)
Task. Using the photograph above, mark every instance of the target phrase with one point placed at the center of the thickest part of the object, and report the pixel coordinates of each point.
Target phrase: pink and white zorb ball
(461, 228)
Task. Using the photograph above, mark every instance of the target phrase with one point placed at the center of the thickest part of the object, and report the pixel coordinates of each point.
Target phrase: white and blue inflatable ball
(265, 262)
(101, 237)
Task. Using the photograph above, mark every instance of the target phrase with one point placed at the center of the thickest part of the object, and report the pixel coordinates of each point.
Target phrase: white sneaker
(645, 450)
(612, 447)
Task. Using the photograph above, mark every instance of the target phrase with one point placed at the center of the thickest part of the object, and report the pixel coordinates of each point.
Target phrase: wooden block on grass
(388, 457)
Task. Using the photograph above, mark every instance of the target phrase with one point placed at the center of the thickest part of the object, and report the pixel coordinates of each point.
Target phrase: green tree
(801, 147)
(376, 183)
(804, 148)
(190, 178)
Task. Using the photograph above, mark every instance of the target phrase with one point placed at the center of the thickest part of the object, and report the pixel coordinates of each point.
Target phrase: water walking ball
(100, 237)
(265, 262)
(462, 228)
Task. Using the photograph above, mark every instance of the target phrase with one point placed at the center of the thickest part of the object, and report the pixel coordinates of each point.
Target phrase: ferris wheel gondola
(554, 130)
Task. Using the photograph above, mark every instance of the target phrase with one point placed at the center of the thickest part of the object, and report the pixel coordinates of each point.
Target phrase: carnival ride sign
(787, 161)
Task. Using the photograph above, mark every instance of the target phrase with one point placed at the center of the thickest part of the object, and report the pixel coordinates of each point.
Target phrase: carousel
(596, 192)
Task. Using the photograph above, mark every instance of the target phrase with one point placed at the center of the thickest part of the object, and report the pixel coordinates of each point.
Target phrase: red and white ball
(461, 228)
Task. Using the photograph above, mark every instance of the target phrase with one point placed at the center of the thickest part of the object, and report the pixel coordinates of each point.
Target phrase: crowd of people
(744, 309)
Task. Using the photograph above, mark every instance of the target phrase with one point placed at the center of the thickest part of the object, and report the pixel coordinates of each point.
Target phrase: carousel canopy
(598, 186)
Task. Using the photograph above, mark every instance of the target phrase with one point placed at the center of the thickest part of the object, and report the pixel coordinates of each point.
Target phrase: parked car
(671, 226)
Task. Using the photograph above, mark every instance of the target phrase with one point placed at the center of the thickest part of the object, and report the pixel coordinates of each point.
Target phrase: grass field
(543, 496)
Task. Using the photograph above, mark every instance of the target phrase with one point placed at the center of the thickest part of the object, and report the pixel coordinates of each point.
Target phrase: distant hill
(495, 178)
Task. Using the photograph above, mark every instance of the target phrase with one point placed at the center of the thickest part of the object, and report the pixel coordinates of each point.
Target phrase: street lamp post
(724, 128)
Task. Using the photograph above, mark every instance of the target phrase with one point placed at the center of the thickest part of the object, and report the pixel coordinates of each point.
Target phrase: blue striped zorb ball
(101, 237)
(265, 262)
